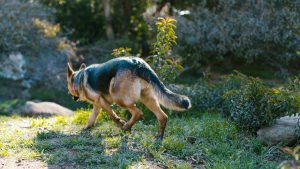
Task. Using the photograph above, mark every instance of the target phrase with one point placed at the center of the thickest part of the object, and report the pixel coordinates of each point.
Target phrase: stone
(44, 109)
(282, 131)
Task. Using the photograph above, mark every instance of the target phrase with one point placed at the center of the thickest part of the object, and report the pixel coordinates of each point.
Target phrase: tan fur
(125, 90)
(151, 102)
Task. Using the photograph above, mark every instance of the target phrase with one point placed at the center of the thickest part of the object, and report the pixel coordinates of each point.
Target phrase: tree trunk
(108, 21)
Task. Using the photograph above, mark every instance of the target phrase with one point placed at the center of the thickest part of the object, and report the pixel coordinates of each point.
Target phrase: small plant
(166, 66)
(293, 164)
(122, 51)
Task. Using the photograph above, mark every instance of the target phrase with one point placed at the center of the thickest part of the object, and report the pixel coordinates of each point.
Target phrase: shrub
(206, 96)
(241, 32)
(202, 94)
(247, 101)
(255, 105)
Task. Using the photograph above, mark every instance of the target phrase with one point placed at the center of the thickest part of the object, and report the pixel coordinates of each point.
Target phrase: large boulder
(44, 109)
(282, 131)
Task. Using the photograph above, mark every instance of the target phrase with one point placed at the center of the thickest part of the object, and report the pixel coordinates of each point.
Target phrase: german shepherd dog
(124, 81)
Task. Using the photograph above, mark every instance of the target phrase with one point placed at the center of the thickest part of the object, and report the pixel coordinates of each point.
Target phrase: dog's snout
(75, 98)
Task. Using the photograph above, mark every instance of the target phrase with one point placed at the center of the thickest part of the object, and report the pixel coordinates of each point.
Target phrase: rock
(44, 109)
(282, 131)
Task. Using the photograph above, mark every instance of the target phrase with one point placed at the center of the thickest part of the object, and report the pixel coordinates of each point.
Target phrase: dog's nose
(75, 98)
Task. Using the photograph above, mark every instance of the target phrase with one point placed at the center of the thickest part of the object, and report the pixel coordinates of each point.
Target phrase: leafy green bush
(203, 95)
(237, 31)
(255, 105)
(246, 100)
(206, 95)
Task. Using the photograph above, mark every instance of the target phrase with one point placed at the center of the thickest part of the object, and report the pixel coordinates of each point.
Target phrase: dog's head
(70, 80)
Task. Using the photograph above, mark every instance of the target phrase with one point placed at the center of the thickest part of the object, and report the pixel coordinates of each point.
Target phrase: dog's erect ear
(70, 69)
(82, 66)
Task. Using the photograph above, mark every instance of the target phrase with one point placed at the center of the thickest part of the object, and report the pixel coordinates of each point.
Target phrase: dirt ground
(11, 163)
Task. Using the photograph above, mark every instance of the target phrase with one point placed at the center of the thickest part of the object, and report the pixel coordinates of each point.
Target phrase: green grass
(190, 141)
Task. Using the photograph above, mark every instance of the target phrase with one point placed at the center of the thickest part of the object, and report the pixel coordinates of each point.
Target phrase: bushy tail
(170, 99)
(166, 97)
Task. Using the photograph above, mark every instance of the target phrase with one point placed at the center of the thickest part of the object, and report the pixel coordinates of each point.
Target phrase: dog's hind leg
(125, 90)
(106, 107)
(136, 114)
(150, 101)
(93, 116)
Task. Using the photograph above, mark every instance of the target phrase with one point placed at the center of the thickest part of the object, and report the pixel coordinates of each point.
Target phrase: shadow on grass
(86, 149)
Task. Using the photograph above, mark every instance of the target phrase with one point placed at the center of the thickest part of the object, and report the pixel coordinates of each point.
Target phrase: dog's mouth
(75, 98)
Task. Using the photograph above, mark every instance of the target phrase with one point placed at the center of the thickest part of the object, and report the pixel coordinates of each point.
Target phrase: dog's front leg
(106, 106)
(93, 116)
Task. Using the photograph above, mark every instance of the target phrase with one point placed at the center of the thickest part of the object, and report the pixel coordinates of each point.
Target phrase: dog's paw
(121, 123)
(159, 137)
(88, 127)
(126, 127)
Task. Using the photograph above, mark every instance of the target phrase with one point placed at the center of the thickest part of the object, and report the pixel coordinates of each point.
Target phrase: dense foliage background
(209, 38)
(211, 32)
(195, 46)
(242, 32)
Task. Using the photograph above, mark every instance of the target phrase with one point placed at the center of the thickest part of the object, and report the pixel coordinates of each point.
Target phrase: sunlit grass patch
(109, 129)
(112, 142)
(16, 138)
(81, 117)
(210, 139)
(184, 165)
(61, 120)
(174, 143)
(43, 135)
(207, 139)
